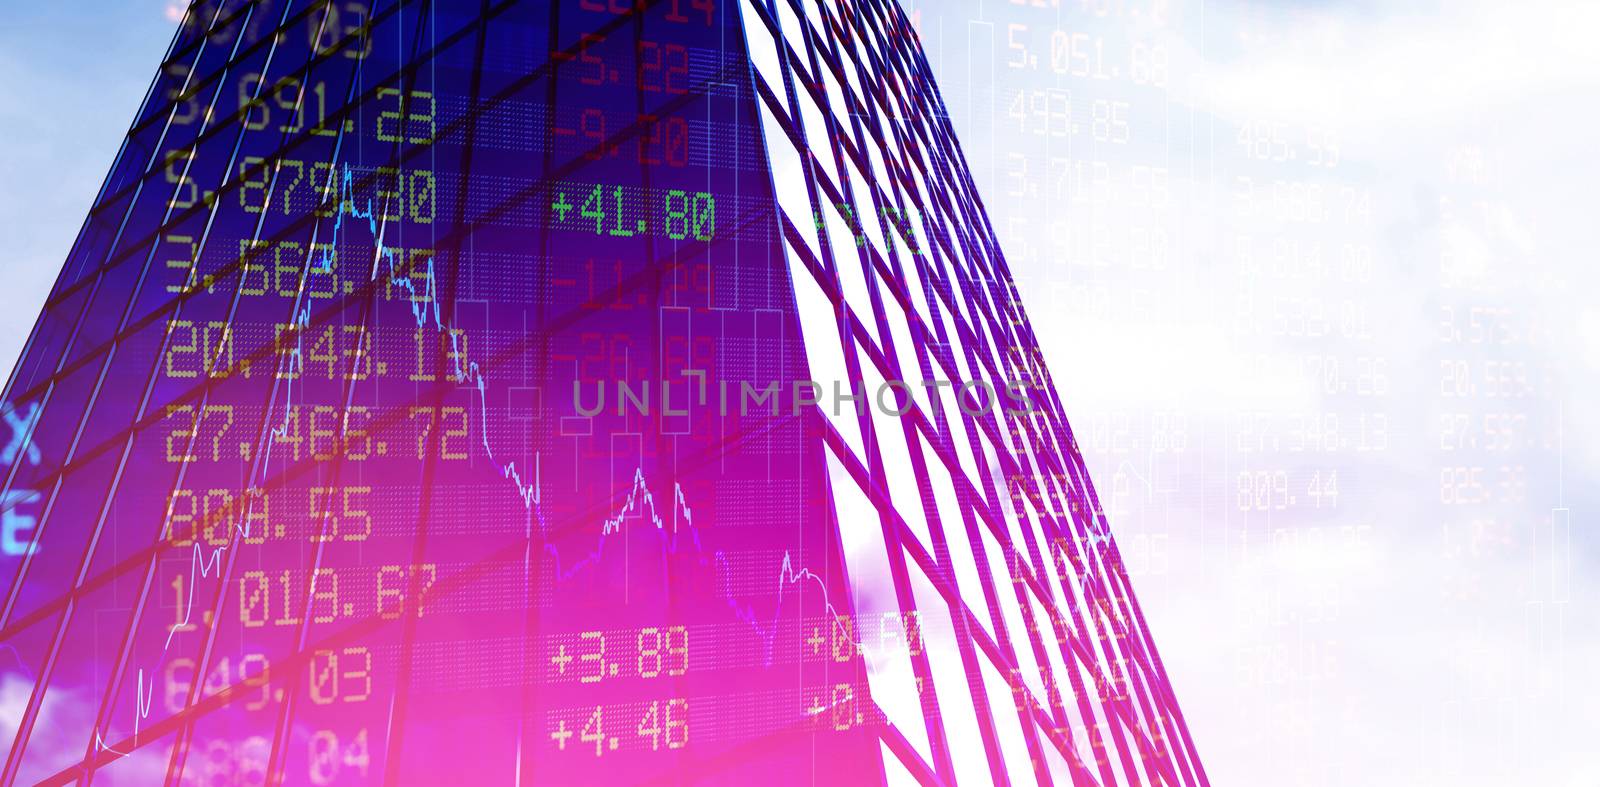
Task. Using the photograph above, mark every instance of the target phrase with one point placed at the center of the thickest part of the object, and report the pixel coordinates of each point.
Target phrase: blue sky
(73, 74)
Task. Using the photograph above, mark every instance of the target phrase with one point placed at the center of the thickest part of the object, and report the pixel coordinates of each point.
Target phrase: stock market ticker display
(509, 391)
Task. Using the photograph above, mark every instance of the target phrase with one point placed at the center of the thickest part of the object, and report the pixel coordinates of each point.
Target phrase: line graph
(425, 310)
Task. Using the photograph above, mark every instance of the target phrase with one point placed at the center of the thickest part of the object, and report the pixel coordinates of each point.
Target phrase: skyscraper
(606, 390)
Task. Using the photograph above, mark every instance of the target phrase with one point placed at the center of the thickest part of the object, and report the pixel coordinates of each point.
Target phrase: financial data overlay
(596, 390)
(1318, 298)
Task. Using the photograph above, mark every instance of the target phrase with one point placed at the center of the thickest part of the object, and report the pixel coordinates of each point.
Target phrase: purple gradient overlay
(298, 493)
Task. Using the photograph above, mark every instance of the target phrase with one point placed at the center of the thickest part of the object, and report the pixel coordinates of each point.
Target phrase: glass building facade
(506, 391)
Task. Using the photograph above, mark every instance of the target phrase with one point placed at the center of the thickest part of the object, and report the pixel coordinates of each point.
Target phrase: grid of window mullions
(953, 242)
(413, 64)
(30, 715)
(995, 651)
(943, 247)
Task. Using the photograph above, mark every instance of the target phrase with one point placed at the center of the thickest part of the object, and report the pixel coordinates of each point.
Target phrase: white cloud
(1389, 71)
(1391, 640)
